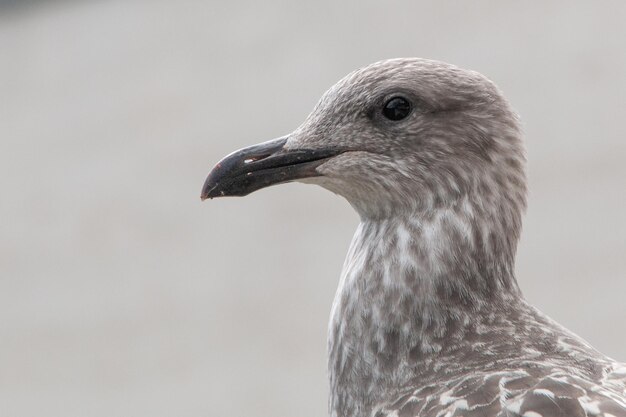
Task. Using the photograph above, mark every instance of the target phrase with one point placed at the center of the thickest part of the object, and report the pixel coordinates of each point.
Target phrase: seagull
(428, 319)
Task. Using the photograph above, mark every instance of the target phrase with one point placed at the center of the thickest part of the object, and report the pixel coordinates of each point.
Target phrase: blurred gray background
(121, 294)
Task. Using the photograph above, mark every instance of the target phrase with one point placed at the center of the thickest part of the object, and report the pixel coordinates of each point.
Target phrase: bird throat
(409, 287)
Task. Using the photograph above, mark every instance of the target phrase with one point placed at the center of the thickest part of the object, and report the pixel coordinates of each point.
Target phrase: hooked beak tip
(208, 191)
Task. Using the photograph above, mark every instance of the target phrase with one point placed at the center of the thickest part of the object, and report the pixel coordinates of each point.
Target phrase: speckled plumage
(428, 319)
(469, 348)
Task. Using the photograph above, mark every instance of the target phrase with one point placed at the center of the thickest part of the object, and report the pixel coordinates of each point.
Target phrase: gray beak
(259, 166)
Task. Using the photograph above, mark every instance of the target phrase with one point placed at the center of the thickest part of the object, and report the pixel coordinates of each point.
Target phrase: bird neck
(406, 282)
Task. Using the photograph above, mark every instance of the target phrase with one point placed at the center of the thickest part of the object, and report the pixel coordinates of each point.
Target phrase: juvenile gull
(428, 319)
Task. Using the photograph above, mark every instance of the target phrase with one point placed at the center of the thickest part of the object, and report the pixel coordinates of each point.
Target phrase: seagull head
(401, 135)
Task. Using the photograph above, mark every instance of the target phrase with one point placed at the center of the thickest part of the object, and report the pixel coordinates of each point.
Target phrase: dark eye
(396, 108)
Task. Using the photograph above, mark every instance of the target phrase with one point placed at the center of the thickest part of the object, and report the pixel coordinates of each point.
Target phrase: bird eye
(396, 108)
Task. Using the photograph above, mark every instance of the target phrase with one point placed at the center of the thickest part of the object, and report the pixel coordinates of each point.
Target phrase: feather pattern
(405, 340)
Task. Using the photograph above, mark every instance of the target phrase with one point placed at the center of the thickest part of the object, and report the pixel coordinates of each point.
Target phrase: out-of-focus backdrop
(121, 294)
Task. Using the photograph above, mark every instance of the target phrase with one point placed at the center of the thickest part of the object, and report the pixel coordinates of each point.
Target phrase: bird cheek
(347, 164)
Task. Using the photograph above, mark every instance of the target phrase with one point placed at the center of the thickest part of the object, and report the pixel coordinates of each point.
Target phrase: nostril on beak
(256, 158)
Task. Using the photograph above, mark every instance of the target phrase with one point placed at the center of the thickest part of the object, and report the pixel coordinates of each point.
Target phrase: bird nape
(428, 319)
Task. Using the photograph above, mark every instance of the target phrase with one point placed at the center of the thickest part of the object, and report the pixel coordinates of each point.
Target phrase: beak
(259, 166)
